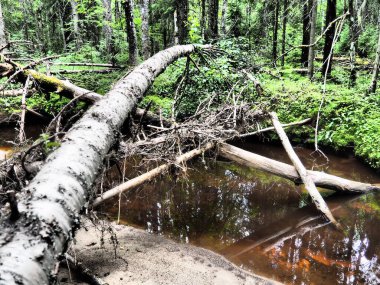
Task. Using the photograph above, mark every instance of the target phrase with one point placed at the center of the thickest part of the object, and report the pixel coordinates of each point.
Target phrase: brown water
(265, 223)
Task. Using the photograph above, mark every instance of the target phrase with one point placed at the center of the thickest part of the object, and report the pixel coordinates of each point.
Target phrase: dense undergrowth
(349, 118)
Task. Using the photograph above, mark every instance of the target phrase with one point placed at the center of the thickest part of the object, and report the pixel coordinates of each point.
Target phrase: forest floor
(143, 258)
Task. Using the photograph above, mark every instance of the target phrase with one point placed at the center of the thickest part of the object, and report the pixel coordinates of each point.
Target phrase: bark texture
(131, 32)
(3, 39)
(313, 26)
(213, 10)
(329, 37)
(287, 171)
(145, 29)
(182, 9)
(306, 6)
(376, 66)
(51, 203)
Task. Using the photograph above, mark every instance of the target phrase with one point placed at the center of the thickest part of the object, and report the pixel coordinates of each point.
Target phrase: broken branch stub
(51, 203)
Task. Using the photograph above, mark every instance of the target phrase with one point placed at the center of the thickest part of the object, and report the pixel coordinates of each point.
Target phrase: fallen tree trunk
(316, 197)
(50, 205)
(85, 64)
(287, 171)
(148, 176)
(100, 71)
(16, 93)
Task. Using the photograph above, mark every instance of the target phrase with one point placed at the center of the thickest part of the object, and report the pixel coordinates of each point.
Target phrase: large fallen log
(50, 205)
(310, 187)
(287, 171)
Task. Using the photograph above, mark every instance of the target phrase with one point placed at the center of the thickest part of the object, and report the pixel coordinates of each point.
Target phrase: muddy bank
(143, 258)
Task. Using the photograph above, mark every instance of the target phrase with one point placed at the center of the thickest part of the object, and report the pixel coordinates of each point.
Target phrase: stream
(261, 222)
(264, 223)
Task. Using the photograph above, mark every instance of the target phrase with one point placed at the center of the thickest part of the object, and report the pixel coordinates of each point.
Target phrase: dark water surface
(264, 223)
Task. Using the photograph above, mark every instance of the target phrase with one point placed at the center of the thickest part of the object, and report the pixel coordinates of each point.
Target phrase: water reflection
(265, 223)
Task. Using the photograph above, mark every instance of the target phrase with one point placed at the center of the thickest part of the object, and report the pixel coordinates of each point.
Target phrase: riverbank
(143, 258)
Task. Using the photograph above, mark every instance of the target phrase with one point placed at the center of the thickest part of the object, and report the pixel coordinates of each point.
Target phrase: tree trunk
(131, 32)
(321, 179)
(175, 23)
(316, 197)
(203, 18)
(182, 8)
(313, 26)
(145, 29)
(275, 30)
(284, 23)
(306, 31)
(224, 17)
(3, 37)
(354, 36)
(376, 65)
(329, 37)
(213, 11)
(50, 205)
(107, 29)
(75, 17)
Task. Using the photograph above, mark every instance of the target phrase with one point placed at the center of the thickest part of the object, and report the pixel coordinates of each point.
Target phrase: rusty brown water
(264, 223)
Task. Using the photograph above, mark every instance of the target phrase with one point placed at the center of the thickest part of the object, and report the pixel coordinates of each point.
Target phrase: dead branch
(148, 176)
(287, 171)
(307, 180)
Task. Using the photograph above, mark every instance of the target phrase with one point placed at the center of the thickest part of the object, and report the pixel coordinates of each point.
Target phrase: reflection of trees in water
(325, 255)
(233, 209)
(223, 203)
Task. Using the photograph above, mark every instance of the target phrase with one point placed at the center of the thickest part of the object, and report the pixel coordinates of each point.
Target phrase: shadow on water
(264, 223)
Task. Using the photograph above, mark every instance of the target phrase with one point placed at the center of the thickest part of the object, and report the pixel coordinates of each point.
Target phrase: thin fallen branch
(16, 92)
(85, 64)
(307, 180)
(100, 71)
(148, 176)
(299, 123)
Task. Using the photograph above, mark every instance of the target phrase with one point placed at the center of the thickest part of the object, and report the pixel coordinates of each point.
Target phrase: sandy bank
(143, 258)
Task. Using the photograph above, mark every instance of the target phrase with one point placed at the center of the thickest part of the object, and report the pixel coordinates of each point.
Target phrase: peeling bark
(50, 205)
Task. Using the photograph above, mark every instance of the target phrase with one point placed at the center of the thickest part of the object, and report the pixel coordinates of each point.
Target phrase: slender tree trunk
(182, 8)
(75, 17)
(224, 17)
(48, 209)
(284, 23)
(275, 30)
(107, 29)
(213, 11)
(62, 30)
(306, 6)
(354, 35)
(376, 66)
(203, 18)
(146, 49)
(313, 26)
(131, 32)
(3, 37)
(175, 23)
(329, 37)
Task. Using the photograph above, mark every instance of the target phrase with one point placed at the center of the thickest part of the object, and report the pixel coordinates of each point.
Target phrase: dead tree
(145, 38)
(49, 206)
